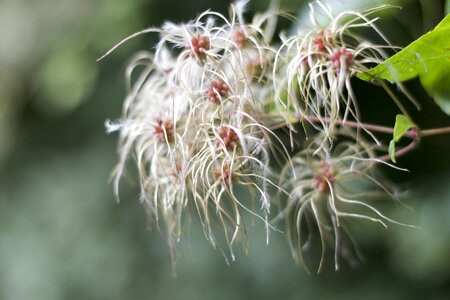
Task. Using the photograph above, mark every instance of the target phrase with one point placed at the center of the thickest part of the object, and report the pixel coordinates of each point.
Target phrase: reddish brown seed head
(199, 45)
(217, 91)
(164, 130)
(341, 57)
(319, 43)
(324, 178)
(240, 38)
(228, 138)
(224, 175)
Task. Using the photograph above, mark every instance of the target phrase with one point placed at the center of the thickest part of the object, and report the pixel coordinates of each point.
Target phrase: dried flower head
(329, 188)
(189, 123)
(199, 121)
(199, 45)
(320, 62)
(217, 91)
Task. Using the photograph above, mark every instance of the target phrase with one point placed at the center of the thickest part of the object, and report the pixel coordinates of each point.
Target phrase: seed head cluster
(197, 122)
(316, 65)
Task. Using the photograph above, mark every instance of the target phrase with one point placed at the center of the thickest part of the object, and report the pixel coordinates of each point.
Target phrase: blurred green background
(64, 237)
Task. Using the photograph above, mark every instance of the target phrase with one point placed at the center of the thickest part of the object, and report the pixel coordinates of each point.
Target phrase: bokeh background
(63, 236)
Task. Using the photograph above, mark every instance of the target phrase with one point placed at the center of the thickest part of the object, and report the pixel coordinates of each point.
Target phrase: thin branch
(314, 119)
(353, 124)
(435, 131)
(401, 151)
(414, 135)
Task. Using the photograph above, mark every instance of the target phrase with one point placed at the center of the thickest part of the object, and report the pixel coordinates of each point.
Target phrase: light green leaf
(437, 84)
(392, 151)
(416, 58)
(447, 7)
(427, 57)
(402, 125)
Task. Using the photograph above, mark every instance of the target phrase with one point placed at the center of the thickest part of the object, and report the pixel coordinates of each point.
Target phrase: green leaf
(402, 125)
(427, 57)
(415, 59)
(437, 84)
(392, 151)
(447, 7)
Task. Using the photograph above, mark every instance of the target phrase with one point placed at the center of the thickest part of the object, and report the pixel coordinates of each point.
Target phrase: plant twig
(402, 151)
(314, 119)
(435, 131)
(414, 135)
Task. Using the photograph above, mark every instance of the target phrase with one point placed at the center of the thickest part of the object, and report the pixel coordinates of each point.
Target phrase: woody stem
(414, 135)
